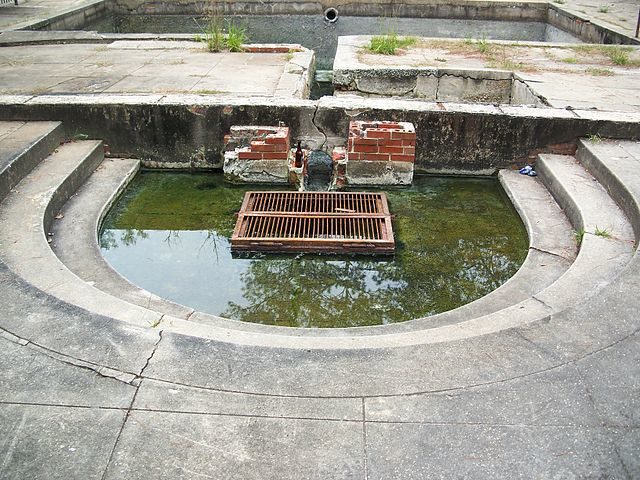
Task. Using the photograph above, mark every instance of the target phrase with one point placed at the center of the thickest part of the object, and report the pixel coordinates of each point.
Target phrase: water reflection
(458, 240)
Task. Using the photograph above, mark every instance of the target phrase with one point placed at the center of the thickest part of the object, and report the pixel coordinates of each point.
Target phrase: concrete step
(22, 146)
(605, 233)
(28, 213)
(616, 165)
(76, 242)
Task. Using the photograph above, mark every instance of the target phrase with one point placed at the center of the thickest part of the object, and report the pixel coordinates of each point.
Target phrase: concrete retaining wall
(585, 30)
(74, 19)
(495, 10)
(188, 131)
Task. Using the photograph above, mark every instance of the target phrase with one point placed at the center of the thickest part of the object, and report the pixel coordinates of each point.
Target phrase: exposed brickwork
(382, 141)
(258, 142)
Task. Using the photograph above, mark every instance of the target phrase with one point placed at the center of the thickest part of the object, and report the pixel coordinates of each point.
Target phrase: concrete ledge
(71, 19)
(615, 166)
(22, 150)
(188, 130)
(33, 206)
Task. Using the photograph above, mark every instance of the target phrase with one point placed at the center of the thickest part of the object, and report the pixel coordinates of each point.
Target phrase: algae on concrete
(457, 240)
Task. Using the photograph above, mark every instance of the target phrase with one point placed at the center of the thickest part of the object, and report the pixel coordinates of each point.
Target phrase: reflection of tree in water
(317, 291)
(128, 238)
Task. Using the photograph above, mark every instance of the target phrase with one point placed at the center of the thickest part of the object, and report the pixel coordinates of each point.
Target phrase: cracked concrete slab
(415, 451)
(47, 380)
(43, 442)
(151, 66)
(556, 397)
(475, 71)
(184, 446)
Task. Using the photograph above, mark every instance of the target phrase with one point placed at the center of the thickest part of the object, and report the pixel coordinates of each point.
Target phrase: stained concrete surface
(141, 67)
(562, 76)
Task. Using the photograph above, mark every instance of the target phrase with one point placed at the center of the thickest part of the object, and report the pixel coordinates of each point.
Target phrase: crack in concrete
(318, 127)
(153, 352)
(101, 370)
(130, 408)
(546, 305)
(542, 250)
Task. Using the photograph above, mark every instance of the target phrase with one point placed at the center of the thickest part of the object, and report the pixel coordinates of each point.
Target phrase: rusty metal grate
(332, 222)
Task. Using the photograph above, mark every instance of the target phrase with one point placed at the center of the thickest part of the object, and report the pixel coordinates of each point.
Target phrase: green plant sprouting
(389, 43)
(236, 36)
(594, 138)
(602, 232)
(579, 235)
(216, 40)
(483, 45)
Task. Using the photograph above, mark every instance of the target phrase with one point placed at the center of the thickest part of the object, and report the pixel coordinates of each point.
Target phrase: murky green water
(457, 240)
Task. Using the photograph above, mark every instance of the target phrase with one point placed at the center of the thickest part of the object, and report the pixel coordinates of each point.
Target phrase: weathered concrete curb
(72, 289)
(29, 152)
(186, 131)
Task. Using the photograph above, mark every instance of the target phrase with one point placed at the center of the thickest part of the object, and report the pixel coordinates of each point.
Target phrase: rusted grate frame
(316, 202)
(314, 222)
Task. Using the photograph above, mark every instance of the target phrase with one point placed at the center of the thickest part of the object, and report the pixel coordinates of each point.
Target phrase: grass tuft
(600, 72)
(389, 44)
(236, 37)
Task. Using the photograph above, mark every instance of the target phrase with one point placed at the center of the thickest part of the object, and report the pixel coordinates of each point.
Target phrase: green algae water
(456, 240)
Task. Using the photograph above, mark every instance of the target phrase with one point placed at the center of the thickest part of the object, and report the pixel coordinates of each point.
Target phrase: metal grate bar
(316, 202)
(314, 222)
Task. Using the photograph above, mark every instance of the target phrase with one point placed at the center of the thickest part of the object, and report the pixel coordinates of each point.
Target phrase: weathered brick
(378, 133)
(380, 157)
(365, 148)
(249, 155)
(403, 135)
(277, 140)
(403, 158)
(409, 150)
(274, 155)
(365, 141)
(385, 149)
(257, 146)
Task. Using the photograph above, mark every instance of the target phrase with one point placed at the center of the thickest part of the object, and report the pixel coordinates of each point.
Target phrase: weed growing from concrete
(483, 45)
(571, 60)
(604, 9)
(618, 55)
(600, 72)
(579, 235)
(594, 138)
(78, 136)
(212, 34)
(236, 36)
(389, 44)
(602, 232)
